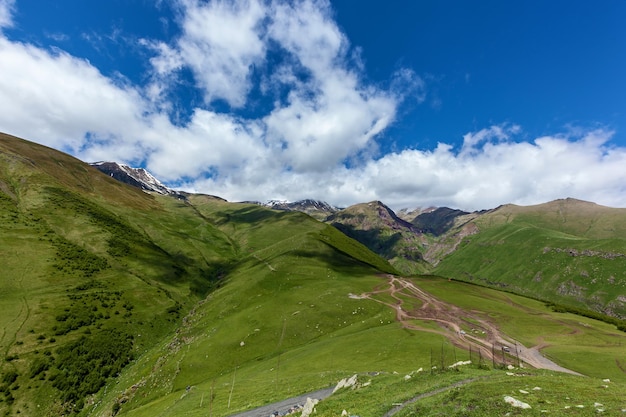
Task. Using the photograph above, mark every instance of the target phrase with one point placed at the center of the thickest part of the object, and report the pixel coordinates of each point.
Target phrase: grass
(228, 306)
(548, 264)
(481, 393)
(568, 338)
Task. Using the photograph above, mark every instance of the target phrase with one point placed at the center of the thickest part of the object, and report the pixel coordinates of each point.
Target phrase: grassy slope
(83, 255)
(279, 323)
(567, 251)
(283, 320)
(301, 332)
(545, 392)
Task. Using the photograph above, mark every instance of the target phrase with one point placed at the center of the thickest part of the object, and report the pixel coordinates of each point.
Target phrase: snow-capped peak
(137, 177)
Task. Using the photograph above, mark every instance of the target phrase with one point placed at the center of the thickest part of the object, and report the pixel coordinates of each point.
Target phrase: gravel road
(284, 405)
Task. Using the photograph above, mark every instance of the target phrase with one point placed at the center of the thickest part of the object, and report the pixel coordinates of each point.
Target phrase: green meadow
(118, 302)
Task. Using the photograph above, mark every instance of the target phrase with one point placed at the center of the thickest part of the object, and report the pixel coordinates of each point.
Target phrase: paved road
(284, 405)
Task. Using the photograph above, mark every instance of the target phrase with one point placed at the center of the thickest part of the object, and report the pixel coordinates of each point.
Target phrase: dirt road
(484, 336)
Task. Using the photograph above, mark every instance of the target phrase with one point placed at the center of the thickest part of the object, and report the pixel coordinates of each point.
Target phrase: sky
(415, 103)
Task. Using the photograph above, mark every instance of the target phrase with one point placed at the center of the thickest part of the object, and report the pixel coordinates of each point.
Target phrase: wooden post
(232, 387)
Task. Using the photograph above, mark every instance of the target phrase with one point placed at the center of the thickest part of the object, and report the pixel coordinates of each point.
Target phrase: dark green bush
(9, 377)
(84, 366)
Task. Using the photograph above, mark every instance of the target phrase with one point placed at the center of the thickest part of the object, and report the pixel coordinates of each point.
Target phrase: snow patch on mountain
(137, 177)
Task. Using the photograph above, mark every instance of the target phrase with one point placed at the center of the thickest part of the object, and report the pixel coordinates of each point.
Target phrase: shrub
(9, 377)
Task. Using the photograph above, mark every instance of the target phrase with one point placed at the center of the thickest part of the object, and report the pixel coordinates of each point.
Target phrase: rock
(309, 407)
(345, 383)
(516, 403)
(459, 363)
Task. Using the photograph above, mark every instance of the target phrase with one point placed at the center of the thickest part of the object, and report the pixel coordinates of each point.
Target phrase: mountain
(122, 302)
(319, 210)
(382, 231)
(137, 177)
(566, 251)
(438, 220)
(423, 240)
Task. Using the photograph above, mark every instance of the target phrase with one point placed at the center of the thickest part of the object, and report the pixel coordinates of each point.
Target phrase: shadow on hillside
(373, 239)
(248, 215)
(337, 259)
(439, 221)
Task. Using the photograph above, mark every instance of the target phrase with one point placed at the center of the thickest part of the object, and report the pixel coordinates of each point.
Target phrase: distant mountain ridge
(137, 177)
(319, 210)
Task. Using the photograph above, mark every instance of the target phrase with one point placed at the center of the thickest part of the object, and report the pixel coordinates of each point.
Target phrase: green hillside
(119, 302)
(569, 252)
(89, 262)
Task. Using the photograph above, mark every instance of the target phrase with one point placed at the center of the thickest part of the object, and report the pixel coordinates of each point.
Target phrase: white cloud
(306, 30)
(501, 170)
(60, 100)
(221, 43)
(330, 116)
(6, 13)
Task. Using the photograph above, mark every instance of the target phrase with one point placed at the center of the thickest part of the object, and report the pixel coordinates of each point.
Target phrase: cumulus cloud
(330, 116)
(62, 101)
(501, 170)
(317, 138)
(581, 165)
(221, 43)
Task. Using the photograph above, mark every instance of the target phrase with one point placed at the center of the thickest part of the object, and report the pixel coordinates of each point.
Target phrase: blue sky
(414, 103)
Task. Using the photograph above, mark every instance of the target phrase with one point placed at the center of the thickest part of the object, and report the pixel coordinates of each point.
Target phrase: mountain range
(460, 245)
(123, 297)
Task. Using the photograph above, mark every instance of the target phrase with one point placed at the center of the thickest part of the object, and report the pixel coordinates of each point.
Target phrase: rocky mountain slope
(382, 231)
(136, 177)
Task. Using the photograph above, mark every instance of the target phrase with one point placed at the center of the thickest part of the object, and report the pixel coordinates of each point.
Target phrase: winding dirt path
(485, 337)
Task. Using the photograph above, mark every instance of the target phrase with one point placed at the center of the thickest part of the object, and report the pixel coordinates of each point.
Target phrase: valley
(119, 301)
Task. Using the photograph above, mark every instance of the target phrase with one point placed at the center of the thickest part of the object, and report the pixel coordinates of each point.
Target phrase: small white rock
(516, 403)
